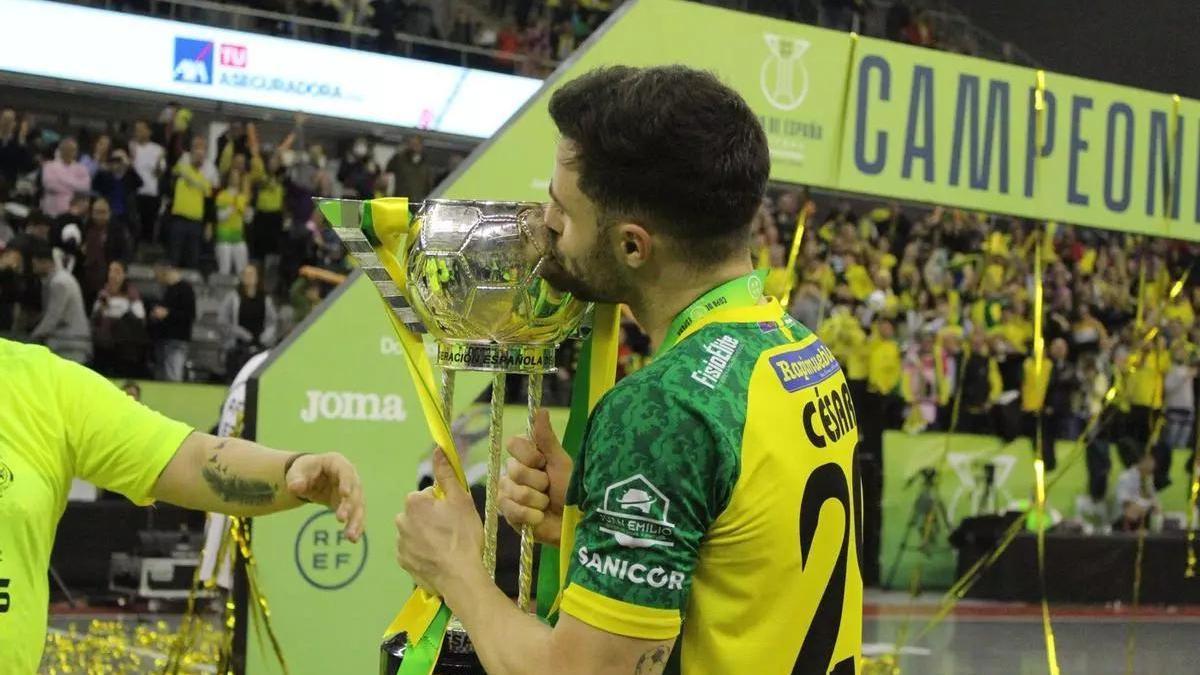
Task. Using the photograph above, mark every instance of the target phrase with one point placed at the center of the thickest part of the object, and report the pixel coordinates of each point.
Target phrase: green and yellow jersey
(715, 499)
(62, 421)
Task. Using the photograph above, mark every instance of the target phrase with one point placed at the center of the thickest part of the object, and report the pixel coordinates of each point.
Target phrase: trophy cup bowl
(473, 281)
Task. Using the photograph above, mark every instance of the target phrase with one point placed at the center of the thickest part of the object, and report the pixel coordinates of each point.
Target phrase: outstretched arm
(243, 478)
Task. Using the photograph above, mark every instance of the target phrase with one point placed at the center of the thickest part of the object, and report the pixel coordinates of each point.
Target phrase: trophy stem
(495, 435)
(448, 395)
(525, 573)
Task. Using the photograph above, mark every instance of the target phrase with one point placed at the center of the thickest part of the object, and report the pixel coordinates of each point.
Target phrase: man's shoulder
(15, 354)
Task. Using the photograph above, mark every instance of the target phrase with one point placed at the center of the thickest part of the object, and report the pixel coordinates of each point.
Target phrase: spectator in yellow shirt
(232, 205)
(185, 232)
(1046, 398)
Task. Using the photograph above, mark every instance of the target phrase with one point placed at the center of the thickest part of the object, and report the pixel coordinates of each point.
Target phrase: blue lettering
(968, 97)
(967, 112)
(869, 63)
(1197, 214)
(997, 110)
(1170, 181)
(921, 99)
(1031, 133)
(1115, 204)
(1077, 146)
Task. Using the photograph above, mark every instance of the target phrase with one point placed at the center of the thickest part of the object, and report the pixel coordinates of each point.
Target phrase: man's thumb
(543, 435)
(444, 474)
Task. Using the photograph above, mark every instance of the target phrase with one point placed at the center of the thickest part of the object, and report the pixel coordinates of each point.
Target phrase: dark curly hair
(671, 148)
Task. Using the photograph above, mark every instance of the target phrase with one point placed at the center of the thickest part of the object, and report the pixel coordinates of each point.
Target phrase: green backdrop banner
(882, 118)
(961, 487)
(196, 404)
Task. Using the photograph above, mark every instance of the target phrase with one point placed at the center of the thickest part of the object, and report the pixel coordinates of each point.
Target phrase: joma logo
(350, 405)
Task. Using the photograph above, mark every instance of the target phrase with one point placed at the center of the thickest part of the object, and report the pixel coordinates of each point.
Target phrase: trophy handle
(525, 570)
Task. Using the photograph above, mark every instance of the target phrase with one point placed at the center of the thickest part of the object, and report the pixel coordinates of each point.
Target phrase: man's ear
(634, 244)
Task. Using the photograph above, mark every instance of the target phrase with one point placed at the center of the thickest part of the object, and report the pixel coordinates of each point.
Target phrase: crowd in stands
(154, 236)
(530, 37)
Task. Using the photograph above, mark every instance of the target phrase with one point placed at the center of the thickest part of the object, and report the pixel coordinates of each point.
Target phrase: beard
(594, 278)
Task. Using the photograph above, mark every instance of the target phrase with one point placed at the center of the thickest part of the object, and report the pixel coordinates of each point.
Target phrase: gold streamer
(1131, 640)
(1168, 203)
(794, 255)
(240, 532)
(116, 647)
(1190, 571)
(1039, 464)
(841, 128)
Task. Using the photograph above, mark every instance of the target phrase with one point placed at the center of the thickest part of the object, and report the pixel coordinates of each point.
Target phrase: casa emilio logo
(784, 77)
(352, 405)
(635, 514)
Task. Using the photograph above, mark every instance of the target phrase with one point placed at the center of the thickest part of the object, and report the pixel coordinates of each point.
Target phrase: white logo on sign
(984, 493)
(189, 70)
(350, 405)
(647, 525)
(784, 77)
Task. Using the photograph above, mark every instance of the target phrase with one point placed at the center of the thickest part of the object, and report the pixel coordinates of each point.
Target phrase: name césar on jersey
(830, 413)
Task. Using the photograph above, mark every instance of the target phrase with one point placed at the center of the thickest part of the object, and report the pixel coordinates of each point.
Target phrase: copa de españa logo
(784, 76)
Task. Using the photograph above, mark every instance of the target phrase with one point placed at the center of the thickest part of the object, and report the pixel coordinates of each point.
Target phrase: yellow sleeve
(619, 617)
(995, 382)
(258, 170)
(226, 160)
(114, 441)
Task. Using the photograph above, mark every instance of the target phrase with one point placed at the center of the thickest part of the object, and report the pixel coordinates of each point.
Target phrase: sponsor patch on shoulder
(805, 367)
(768, 326)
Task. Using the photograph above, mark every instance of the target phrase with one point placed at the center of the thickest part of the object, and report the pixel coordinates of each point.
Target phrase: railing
(946, 22)
(344, 34)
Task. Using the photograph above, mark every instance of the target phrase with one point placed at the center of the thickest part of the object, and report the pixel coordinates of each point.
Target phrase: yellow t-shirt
(860, 282)
(230, 230)
(884, 366)
(270, 196)
(188, 199)
(1146, 379)
(72, 423)
(1180, 309)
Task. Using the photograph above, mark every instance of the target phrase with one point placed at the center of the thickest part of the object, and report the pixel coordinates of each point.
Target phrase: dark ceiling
(1150, 44)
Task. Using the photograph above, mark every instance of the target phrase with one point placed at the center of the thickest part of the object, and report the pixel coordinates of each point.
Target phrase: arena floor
(979, 638)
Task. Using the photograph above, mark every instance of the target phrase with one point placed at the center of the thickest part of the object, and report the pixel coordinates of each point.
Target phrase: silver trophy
(472, 282)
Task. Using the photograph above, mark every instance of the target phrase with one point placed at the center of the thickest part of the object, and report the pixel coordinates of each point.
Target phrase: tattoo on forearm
(653, 661)
(233, 488)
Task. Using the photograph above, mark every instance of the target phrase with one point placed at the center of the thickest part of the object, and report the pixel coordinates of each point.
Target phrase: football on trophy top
(472, 281)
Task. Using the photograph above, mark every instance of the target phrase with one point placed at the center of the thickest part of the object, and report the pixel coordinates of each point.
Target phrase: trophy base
(496, 358)
(456, 658)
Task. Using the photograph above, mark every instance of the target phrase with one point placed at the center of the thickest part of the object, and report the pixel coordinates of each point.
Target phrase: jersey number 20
(827, 482)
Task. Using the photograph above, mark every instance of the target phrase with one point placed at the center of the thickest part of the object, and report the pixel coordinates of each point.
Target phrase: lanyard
(744, 291)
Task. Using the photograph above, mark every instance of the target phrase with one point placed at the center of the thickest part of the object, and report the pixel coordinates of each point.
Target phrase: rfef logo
(193, 61)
